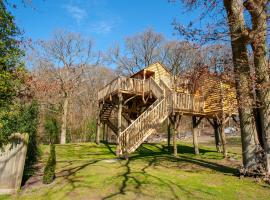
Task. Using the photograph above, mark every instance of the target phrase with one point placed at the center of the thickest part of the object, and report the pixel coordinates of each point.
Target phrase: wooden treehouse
(132, 107)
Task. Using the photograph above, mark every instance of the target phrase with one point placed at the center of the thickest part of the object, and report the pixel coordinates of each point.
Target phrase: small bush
(52, 129)
(49, 171)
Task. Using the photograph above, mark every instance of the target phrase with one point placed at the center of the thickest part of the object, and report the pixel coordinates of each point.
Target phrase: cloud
(102, 27)
(76, 12)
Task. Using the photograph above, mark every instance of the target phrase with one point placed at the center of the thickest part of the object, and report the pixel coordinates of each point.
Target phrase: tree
(13, 76)
(65, 58)
(242, 78)
(83, 104)
(140, 50)
(257, 37)
(10, 57)
(235, 29)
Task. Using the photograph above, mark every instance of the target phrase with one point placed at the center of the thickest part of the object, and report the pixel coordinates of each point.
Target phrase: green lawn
(88, 171)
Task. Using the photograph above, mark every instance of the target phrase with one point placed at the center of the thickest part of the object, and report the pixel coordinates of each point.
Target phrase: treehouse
(132, 107)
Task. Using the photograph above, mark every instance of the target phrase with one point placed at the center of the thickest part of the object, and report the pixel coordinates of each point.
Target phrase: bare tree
(140, 50)
(66, 57)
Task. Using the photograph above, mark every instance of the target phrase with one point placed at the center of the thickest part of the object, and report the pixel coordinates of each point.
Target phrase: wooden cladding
(188, 102)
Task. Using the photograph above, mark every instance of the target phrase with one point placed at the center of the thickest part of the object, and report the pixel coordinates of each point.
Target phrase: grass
(88, 171)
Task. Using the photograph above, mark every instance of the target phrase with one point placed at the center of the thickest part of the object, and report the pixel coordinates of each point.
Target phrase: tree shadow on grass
(153, 155)
(68, 174)
(128, 175)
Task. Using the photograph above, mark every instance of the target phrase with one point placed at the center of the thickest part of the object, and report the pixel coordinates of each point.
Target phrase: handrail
(188, 102)
(121, 83)
(136, 132)
(165, 87)
(155, 88)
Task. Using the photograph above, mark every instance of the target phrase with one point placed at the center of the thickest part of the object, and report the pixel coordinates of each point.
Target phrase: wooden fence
(12, 159)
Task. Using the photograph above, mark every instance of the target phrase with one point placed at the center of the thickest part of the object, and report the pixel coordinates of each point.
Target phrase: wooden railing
(123, 84)
(155, 88)
(188, 102)
(141, 128)
(165, 88)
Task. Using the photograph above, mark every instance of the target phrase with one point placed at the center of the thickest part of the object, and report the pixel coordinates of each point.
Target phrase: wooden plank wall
(160, 73)
(218, 94)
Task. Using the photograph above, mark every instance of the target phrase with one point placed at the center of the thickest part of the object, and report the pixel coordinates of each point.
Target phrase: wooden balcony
(188, 103)
(121, 84)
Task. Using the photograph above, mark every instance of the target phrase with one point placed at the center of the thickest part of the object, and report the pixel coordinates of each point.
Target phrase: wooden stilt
(103, 132)
(217, 134)
(98, 131)
(223, 137)
(176, 124)
(107, 134)
(119, 125)
(169, 135)
(195, 136)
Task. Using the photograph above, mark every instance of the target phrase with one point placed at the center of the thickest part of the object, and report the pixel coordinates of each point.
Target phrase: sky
(107, 22)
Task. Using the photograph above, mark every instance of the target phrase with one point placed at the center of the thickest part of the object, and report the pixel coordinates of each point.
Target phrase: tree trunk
(64, 122)
(259, 129)
(258, 12)
(242, 78)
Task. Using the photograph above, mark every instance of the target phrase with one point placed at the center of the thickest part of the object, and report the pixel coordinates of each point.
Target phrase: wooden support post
(174, 137)
(217, 134)
(107, 134)
(169, 134)
(119, 125)
(223, 137)
(176, 124)
(195, 136)
(98, 131)
(103, 132)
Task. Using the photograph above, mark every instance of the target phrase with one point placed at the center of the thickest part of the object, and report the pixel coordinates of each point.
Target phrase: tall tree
(140, 50)
(236, 22)
(12, 73)
(66, 57)
(257, 37)
(10, 56)
(236, 31)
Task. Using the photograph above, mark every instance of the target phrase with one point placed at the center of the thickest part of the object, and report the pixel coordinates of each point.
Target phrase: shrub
(52, 129)
(49, 171)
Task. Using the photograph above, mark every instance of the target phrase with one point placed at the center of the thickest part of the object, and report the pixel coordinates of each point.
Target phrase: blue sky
(105, 21)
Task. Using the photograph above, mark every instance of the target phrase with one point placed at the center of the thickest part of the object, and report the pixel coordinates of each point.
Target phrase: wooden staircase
(106, 111)
(141, 128)
(137, 132)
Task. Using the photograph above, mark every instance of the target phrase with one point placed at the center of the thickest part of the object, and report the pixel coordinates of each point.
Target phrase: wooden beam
(210, 122)
(198, 121)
